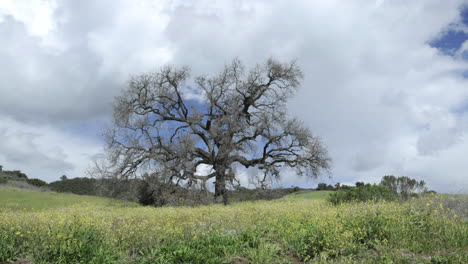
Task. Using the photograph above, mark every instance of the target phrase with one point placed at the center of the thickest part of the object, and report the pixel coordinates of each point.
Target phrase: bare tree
(238, 119)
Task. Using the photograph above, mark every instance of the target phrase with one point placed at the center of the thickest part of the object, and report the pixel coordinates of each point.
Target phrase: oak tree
(166, 125)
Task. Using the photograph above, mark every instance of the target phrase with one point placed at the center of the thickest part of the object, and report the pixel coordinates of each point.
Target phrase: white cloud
(37, 15)
(382, 99)
(43, 151)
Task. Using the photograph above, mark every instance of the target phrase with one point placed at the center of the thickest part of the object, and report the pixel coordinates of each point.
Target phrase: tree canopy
(165, 127)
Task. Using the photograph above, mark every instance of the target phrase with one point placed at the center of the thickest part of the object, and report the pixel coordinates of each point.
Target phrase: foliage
(403, 186)
(86, 186)
(324, 187)
(239, 121)
(16, 178)
(161, 194)
(360, 184)
(20, 199)
(327, 187)
(36, 182)
(3, 180)
(15, 175)
(362, 193)
(281, 231)
(242, 194)
(313, 195)
(154, 193)
(389, 189)
(158, 194)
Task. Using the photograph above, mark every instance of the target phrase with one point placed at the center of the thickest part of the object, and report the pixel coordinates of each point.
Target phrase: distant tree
(321, 186)
(391, 182)
(295, 188)
(36, 182)
(87, 186)
(345, 187)
(240, 120)
(15, 175)
(361, 193)
(324, 187)
(403, 186)
(63, 178)
(358, 184)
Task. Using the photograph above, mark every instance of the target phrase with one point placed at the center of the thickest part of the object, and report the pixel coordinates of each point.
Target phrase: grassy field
(18, 200)
(314, 195)
(80, 229)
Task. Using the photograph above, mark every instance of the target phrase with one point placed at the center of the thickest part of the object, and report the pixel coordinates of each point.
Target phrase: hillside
(21, 199)
(14, 175)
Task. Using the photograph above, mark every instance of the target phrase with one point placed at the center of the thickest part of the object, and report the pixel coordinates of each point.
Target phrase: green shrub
(362, 193)
(36, 182)
(85, 186)
(3, 180)
(324, 187)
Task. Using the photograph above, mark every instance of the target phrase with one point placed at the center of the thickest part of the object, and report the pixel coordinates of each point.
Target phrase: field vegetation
(27, 200)
(309, 194)
(295, 229)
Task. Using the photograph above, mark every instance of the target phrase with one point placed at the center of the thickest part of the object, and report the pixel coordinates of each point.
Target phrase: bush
(324, 187)
(362, 193)
(84, 186)
(36, 182)
(15, 175)
(3, 180)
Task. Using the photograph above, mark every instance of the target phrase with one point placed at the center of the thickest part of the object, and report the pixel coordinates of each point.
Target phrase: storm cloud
(378, 89)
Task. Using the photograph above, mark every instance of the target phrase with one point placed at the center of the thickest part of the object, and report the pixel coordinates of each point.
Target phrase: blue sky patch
(464, 15)
(461, 109)
(452, 40)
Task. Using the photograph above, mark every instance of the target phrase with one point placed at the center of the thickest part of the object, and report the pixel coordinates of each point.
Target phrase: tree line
(390, 188)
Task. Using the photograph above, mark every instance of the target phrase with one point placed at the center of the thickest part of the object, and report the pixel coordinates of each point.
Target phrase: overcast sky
(386, 81)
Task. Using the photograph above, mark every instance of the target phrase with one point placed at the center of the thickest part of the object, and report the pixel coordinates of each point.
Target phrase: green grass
(302, 228)
(313, 195)
(18, 199)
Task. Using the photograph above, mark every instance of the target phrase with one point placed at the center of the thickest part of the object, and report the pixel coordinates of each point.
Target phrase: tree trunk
(220, 189)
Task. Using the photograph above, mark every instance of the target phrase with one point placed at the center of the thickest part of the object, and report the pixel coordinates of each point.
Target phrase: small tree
(391, 182)
(337, 186)
(324, 187)
(359, 184)
(361, 193)
(239, 120)
(403, 186)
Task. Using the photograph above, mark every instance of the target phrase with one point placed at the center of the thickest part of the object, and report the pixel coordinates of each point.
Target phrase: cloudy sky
(386, 81)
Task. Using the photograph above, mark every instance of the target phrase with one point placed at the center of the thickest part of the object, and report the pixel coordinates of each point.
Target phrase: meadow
(313, 195)
(24, 200)
(302, 228)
